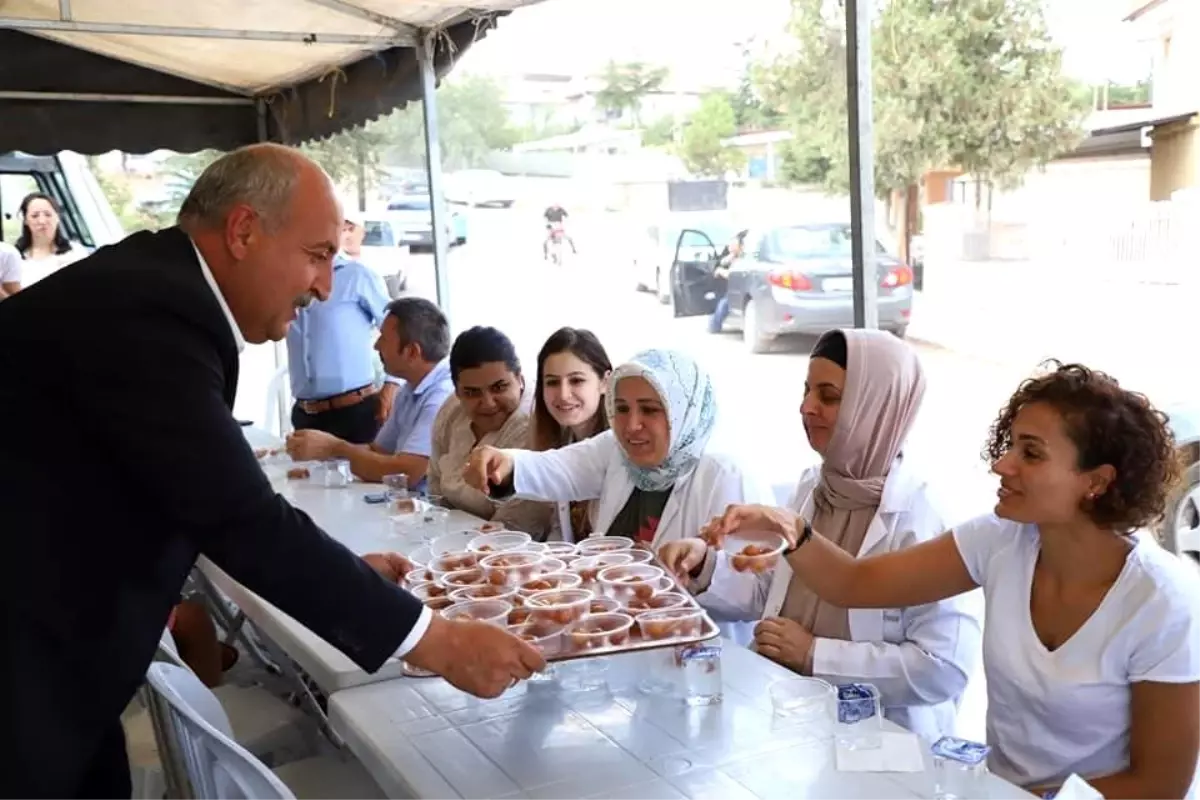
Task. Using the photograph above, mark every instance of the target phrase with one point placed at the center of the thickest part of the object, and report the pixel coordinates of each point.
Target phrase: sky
(701, 42)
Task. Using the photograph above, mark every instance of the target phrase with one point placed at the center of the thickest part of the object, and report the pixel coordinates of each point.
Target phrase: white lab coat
(594, 469)
(921, 657)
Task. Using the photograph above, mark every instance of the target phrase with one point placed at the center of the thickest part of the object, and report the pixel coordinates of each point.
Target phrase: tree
(352, 158)
(659, 133)
(701, 147)
(625, 85)
(973, 84)
(472, 122)
(749, 107)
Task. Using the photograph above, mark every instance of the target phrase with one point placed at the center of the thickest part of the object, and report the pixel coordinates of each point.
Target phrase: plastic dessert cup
(498, 542)
(659, 602)
(589, 567)
(493, 612)
(597, 631)
(593, 545)
(550, 580)
(671, 623)
(559, 606)
(756, 554)
(485, 591)
(630, 581)
(463, 577)
(454, 561)
(546, 638)
(512, 568)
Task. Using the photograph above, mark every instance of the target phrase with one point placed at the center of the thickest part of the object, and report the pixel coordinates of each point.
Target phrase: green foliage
(751, 111)
(803, 163)
(700, 146)
(625, 85)
(975, 84)
(659, 133)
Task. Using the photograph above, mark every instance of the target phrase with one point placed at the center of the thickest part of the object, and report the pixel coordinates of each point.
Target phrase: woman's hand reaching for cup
(487, 467)
(752, 519)
(682, 557)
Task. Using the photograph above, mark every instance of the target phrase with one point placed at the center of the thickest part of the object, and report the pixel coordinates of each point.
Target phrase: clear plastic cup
(558, 606)
(589, 567)
(488, 543)
(546, 638)
(395, 486)
(599, 630)
(807, 704)
(754, 553)
(671, 623)
(560, 549)
(859, 723)
(959, 769)
(512, 567)
(454, 561)
(663, 600)
(336, 473)
(593, 545)
(493, 612)
(472, 576)
(550, 581)
(583, 675)
(604, 605)
(486, 591)
(628, 581)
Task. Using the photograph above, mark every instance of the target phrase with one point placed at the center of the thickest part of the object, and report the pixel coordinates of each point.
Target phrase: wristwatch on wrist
(804, 536)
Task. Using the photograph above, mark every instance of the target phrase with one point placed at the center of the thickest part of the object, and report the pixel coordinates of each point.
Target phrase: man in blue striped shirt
(330, 357)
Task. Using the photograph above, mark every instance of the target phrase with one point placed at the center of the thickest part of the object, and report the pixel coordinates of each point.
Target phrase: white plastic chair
(217, 767)
(262, 723)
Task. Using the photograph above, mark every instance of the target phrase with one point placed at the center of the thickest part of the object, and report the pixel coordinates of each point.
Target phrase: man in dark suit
(121, 462)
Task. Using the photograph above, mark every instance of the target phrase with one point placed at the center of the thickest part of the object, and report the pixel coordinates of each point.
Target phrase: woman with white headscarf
(651, 474)
(862, 395)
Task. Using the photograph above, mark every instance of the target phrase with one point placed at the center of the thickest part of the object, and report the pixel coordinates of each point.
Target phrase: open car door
(695, 287)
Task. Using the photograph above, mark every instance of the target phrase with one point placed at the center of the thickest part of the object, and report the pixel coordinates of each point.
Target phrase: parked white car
(385, 252)
(654, 246)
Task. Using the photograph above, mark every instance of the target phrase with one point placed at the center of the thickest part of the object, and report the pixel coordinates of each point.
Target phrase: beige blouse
(453, 441)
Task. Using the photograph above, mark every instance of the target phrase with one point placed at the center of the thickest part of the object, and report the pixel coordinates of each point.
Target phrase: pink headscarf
(884, 387)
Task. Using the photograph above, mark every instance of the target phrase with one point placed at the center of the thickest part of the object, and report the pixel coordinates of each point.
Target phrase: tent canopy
(139, 75)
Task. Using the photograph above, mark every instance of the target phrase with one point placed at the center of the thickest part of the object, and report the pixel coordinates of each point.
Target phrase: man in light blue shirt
(330, 360)
(413, 345)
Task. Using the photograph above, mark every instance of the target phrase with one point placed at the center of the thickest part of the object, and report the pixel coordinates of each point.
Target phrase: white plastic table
(422, 738)
(361, 527)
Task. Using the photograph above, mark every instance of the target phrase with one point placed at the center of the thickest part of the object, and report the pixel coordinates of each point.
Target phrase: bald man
(122, 463)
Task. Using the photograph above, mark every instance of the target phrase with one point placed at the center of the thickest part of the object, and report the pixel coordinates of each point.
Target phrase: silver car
(798, 279)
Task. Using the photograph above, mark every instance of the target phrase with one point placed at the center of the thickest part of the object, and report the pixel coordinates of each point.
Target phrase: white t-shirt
(1053, 713)
(38, 268)
(10, 264)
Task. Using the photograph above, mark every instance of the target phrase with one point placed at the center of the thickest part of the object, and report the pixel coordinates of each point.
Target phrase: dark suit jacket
(120, 462)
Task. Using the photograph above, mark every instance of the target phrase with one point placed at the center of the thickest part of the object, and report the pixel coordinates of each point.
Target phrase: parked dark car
(791, 279)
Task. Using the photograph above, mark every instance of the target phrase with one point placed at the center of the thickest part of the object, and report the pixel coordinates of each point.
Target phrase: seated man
(413, 344)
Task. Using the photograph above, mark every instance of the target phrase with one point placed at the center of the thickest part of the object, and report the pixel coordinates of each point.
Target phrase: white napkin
(1076, 788)
(898, 752)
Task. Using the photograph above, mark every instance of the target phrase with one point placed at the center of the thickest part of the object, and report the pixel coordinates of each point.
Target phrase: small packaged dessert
(549, 581)
(594, 545)
(493, 612)
(419, 575)
(498, 542)
(599, 630)
(511, 568)
(546, 638)
(558, 606)
(454, 561)
(490, 527)
(463, 577)
(486, 591)
(298, 474)
(671, 623)
(628, 581)
(427, 591)
(588, 567)
(756, 554)
(519, 615)
(401, 506)
(663, 600)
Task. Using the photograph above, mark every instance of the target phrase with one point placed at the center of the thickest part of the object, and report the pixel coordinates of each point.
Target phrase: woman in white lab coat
(861, 397)
(650, 475)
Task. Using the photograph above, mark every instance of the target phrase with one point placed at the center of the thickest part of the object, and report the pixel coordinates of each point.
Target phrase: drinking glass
(805, 703)
(435, 517)
(859, 717)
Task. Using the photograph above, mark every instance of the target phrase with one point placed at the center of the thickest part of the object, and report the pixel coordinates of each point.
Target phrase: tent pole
(279, 348)
(433, 165)
(862, 163)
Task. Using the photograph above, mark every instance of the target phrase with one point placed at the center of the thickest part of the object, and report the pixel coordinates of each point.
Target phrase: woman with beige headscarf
(862, 395)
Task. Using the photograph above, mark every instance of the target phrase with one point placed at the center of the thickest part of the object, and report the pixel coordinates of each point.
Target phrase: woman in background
(568, 407)
(42, 244)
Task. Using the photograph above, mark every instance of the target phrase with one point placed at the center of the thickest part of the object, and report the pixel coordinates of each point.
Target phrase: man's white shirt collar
(238, 338)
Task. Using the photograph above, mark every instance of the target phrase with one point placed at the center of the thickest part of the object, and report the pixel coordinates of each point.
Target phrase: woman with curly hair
(1092, 641)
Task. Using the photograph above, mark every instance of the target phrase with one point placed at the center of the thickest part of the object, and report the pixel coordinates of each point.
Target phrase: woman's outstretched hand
(751, 520)
(682, 557)
(487, 467)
